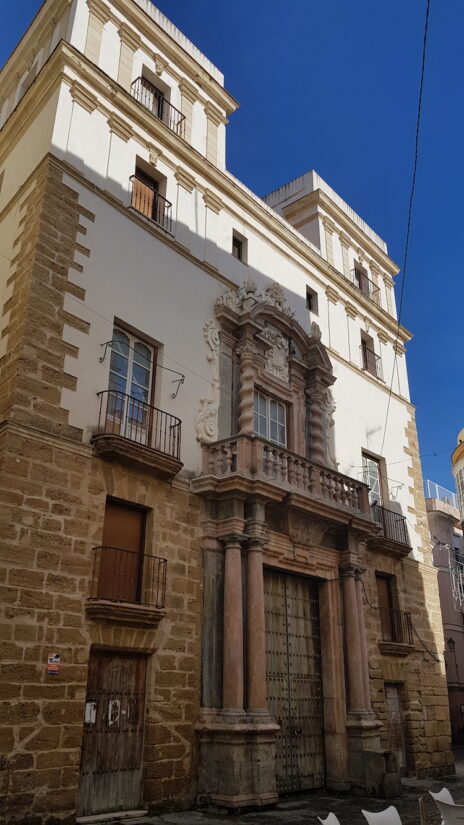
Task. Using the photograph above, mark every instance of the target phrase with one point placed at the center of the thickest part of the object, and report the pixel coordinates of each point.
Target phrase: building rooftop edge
(310, 181)
(164, 23)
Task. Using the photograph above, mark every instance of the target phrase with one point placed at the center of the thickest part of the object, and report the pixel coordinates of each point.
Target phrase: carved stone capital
(212, 201)
(328, 224)
(83, 97)
(214, 114)
(399, 348)
(184, 179)
(119, 127)
(351, 310)
(129, 37)
(345, 240)
(383, 337)
(188, 90)
(99, 10)
(332, 295)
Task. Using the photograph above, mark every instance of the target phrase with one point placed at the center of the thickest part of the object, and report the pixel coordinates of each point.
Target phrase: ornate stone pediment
(244, 298)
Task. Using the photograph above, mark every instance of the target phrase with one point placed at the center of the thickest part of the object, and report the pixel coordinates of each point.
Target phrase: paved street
(304, 810)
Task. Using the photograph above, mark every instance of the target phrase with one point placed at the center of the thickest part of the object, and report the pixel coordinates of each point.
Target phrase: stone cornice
(383, 337)
(269, 222)
(185, 180)
(398, 347)
(120, 127)
(129, 37)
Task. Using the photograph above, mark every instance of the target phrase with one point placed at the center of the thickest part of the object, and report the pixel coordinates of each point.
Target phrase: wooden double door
(112, 748)
(294, 680)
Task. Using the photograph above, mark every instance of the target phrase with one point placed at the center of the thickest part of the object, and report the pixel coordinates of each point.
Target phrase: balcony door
(372, 477)
(121, 559)
(131, 384)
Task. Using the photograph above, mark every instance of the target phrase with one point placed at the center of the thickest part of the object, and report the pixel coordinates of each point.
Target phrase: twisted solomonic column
(247, 353)
(317, 397)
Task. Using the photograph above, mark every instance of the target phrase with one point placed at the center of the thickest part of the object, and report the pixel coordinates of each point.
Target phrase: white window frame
(375, 490)
(267, 418)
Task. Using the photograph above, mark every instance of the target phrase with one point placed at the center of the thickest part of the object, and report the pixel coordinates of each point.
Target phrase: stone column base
(373, 771)
(237, 762)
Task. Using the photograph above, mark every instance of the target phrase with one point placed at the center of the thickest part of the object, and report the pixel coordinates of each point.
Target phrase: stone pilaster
(130, 42)
(345, 245)
(188, 97)
(214, 118)
(329, 228)
(98, 16)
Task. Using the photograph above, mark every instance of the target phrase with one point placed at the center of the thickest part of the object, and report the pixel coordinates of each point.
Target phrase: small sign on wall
(53, 664)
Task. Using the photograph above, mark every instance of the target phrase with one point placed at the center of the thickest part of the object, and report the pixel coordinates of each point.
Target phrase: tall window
(372, 477)
(270, 418)
(131, 366)
(130, 386)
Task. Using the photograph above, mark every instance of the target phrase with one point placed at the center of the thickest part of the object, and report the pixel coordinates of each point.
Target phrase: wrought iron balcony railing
(392, 525)
(126, 576)
(362, 282)
(257, 458)
(125, 416)
(145, 199)
(396, 626)
(154, 100)
(370, 362)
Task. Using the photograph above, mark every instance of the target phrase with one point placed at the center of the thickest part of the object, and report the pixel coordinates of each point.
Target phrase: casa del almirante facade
(213, 592)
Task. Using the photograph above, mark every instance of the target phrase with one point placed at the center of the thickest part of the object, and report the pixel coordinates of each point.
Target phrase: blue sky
(333, 86)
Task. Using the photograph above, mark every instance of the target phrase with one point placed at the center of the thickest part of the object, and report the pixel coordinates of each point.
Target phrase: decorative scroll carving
(277, 357)
(206, 422)
(305, 530)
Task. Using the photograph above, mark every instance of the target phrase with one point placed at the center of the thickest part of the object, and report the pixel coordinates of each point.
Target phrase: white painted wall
(133, 275)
